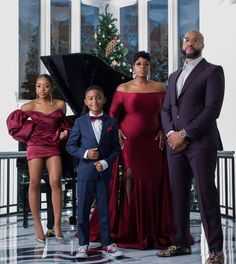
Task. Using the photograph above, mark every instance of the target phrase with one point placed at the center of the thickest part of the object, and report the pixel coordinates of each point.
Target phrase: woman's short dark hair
(142, 54)
(94, 87)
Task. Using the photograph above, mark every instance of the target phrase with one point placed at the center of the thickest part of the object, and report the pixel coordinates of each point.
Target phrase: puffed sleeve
(64, 125)
(19, 127)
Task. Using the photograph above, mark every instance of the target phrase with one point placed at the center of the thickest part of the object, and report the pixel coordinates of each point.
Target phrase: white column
(75, 26)
(142, 25)
(45, 30)
(172, 35)
(9, 68)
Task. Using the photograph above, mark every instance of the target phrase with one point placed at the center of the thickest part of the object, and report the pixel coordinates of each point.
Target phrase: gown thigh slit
(128, 183)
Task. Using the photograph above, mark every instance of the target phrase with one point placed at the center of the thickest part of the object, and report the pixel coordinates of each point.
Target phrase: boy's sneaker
(112, 250)
(82, 252)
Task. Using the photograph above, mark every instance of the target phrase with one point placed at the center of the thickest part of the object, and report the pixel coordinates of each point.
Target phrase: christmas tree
(108, 45)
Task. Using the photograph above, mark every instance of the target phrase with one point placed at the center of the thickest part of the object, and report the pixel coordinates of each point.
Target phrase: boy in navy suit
(94, 141)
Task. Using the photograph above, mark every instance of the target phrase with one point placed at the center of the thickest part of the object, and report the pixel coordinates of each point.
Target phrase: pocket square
(110, 128)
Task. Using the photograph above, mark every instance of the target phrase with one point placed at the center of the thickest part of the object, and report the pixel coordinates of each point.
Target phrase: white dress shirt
(97, 129)
(187, 69)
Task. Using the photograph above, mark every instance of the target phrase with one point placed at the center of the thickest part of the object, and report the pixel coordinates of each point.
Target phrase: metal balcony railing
(9, 181)
(11, 178)
(14, 179)
(225, 182)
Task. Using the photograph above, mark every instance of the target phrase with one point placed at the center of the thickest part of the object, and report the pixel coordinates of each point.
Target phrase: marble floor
(18, 245)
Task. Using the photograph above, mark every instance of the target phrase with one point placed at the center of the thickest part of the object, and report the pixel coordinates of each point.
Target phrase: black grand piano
(74, 73)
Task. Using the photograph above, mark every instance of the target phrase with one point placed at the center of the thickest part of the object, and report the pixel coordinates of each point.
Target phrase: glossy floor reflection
(18, 245)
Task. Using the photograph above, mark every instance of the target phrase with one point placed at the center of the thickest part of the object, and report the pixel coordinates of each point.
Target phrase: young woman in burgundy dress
(41, 123)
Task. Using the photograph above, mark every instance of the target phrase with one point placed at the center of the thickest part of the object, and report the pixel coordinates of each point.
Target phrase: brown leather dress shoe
(174, 251)
(215, 258)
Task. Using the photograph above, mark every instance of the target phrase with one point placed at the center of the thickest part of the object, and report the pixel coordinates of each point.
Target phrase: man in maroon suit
(192, 104)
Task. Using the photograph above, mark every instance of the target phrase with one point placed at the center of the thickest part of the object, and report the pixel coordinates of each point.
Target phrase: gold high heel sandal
(40, 240)
(59, 237)
(40, 236)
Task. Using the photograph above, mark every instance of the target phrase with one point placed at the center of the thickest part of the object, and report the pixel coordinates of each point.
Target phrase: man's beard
(193, 55)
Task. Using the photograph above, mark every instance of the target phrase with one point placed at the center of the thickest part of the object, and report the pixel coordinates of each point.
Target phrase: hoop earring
(51, 99)
(134, 75)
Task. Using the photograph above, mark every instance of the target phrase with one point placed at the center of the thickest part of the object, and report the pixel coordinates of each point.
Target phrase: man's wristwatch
(183, 133)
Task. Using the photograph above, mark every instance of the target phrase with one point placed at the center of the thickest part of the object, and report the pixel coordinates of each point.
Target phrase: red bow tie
(94, 118)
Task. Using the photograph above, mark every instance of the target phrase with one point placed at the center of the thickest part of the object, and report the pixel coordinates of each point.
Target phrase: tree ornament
(114, 63)
(111, 46)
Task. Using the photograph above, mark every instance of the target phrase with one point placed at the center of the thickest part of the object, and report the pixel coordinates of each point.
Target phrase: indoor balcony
(17, 239)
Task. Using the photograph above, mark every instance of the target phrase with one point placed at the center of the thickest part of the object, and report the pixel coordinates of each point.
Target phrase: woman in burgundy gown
(140, 203)
(42, 125)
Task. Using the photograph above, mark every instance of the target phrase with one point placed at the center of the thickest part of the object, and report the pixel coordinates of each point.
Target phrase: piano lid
(75, 72)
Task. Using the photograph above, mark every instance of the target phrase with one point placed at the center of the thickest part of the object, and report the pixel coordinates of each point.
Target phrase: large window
(89, 21)
(188, 11)
(158, 39)
(60, 26)
(129, 30)
(29, 47)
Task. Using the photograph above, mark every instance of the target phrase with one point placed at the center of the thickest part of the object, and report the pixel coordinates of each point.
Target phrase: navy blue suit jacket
(198, 105)
(82, 137)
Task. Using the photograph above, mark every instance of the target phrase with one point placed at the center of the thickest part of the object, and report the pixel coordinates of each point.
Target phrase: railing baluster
(8, 186)
(233, 188)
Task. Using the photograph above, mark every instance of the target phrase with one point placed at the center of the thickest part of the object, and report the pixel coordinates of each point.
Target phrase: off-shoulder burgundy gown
(146, 221)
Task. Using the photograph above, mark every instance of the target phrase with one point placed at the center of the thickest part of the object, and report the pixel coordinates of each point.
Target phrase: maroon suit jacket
(198, 106)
